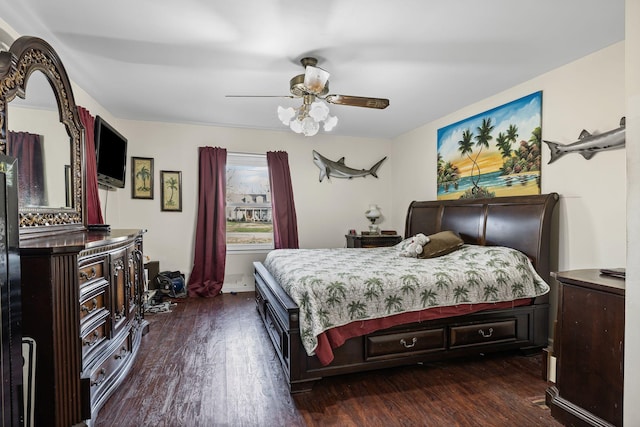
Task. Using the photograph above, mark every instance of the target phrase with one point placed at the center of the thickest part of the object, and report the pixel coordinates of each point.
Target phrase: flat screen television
(111, 154)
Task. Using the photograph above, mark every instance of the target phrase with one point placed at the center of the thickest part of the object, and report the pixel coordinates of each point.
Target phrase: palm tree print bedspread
(334, 287)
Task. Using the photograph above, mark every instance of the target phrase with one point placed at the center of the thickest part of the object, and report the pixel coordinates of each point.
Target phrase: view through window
(248, 210)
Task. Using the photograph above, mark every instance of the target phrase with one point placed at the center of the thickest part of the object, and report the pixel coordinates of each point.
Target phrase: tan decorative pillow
(440, 244)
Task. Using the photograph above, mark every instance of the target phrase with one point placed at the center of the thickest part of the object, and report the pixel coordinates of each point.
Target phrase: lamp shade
(373, 213)
(315, 79)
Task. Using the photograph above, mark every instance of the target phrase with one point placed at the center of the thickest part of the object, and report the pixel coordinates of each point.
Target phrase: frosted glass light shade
(296, 126)
(318, 111)
(330, 123)
(309, 126)
(286, 114)
(315, 79)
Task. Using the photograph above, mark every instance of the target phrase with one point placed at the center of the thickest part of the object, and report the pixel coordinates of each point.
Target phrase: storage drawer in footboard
(277, 333)
(404, 343)
(483, 333)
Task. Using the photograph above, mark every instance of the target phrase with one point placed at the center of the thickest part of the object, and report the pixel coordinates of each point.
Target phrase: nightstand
(372, 240)
(589, 347)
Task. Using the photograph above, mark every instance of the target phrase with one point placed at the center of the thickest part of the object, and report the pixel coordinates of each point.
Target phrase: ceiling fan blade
(260, 96)
(357, 101)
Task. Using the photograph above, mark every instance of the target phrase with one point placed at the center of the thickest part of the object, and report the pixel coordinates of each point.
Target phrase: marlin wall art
(338, 169)
(588, 144)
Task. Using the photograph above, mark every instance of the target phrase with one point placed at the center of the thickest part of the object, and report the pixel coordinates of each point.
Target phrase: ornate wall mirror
(43, 130)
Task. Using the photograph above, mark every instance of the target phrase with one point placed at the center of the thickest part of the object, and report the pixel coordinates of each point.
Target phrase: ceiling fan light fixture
(296, 125)
(319, 110)
(286, 114)
(330, 123)
(309, 126)
(315, 79)
(307, 118)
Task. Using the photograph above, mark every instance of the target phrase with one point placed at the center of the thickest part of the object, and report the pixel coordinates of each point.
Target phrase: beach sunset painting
(494, 153)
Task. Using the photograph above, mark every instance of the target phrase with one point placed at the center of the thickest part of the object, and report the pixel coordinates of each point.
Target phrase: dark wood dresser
(372, 240)
(589, 347)
(81, 303)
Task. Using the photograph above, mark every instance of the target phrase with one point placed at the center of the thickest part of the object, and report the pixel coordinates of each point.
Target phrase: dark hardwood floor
(209, 362)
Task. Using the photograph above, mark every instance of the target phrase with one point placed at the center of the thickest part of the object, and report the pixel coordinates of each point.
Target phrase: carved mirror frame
(26, 55)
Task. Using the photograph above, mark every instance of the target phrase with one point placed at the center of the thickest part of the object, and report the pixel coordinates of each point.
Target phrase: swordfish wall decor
(338, 169)
(588, 144)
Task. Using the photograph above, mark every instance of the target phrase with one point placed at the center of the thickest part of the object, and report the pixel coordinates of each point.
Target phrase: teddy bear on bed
(415, 247)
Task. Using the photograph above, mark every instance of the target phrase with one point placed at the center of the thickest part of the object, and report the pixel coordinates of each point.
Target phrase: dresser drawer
(107, 371)
(92, 269)
(483, 333)
(93, 303)
(95, 335)
(407, 342)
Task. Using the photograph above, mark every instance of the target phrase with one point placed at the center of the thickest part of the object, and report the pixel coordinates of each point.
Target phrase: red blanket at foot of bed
(335, 337)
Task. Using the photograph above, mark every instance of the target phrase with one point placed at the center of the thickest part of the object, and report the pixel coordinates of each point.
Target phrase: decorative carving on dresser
(26, 56)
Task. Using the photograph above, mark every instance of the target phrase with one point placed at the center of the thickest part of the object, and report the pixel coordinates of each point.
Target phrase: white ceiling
(175, 61)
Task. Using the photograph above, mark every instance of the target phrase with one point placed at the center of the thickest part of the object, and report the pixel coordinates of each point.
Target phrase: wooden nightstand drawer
(372, 240)
(483, 333)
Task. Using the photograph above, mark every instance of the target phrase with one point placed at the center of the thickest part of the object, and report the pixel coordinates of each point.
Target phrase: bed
(416, 335)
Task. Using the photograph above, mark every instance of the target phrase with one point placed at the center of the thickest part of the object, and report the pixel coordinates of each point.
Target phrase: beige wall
(325, 210)
(632, 309)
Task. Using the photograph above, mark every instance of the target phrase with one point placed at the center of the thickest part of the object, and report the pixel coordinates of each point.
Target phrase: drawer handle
(123, 352)
(413, 342)
(101, 377)
(86, 276)
(484, 334)
(92, 341)
(94, 303)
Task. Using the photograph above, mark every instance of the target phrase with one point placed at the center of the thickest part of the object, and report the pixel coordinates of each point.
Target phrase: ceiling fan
(313, 88)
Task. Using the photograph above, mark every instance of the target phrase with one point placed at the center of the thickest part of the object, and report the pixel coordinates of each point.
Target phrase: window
(248, 204)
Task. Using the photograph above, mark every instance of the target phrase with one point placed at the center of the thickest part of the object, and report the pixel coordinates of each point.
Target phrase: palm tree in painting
(483, 137)
(512, 133)
(465, 147)
(504, 145)
(448, 174)
(144, 174)
(171, 184)
(536, 137)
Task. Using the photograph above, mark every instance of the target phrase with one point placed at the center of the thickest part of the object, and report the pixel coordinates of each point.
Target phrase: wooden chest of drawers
(82, 303)
(589, 350)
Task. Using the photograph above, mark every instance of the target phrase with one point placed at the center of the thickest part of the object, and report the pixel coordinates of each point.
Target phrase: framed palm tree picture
(171, 191)
(141, 178)
(494, 153)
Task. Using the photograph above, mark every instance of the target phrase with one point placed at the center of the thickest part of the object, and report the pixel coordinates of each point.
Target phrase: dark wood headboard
(519, 222)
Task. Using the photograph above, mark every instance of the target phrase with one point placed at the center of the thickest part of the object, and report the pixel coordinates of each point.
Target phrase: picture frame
(171, 191)
(141, 178)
